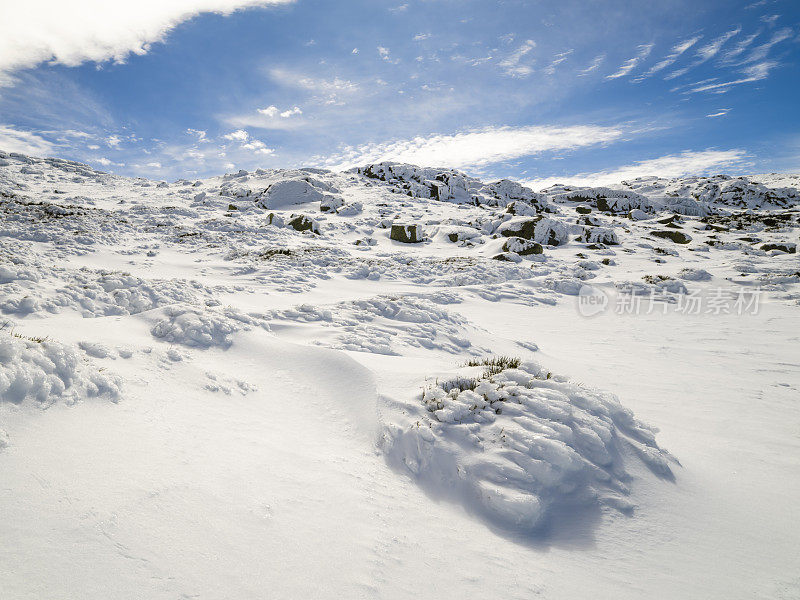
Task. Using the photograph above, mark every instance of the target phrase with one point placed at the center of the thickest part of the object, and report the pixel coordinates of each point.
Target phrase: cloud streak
(630, 64)
(475, 148)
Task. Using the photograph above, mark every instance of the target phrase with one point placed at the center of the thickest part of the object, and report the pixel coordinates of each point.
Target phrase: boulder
(518, 207)
(303, 223)
(539, 229)
(789, 247)
(407, 234)
(507, 257)
(291, 192)
(522, 247)
(676, 236)
(598, 235)
(331, 203)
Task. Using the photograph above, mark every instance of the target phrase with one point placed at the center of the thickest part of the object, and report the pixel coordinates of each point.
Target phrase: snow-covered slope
(396, 378)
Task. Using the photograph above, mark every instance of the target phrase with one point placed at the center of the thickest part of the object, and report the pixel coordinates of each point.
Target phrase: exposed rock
(676, 236)
(522, 247)
(789, 247)
(539, 229)
(507, 257)
(331, 203)
(303, 223)
(407, 234)
(598, 235)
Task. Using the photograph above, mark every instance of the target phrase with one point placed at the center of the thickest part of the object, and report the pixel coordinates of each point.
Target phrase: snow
(199, 397)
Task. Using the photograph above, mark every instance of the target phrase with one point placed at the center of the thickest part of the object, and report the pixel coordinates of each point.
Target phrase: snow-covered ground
(397, 382)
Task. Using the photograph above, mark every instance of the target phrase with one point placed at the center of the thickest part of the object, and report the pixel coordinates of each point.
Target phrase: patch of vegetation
(494, 364)
(268, 253)
(654, 279)
(7, 328)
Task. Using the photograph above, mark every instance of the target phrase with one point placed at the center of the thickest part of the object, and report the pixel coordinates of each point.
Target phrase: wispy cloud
(559, 58)
(720, 113)
(78, 31)
(740, 47)
(705, 53)
(672, 165)
(677, 50)
(475, 148)
(512, 65)
(760, 52)
(630, 64)
(596, 62)
(710, 50)
(750, 74)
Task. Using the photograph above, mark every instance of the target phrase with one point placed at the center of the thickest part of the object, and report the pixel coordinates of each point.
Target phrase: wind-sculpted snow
(179, 284)
(388, 324)
(514, 445)
(200, 328)
(46, 371)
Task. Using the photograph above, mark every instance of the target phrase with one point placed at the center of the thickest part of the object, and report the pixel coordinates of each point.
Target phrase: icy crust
(515, 445)
(48, 371)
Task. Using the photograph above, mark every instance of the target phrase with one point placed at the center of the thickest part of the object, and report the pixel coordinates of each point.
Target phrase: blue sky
(574, 90)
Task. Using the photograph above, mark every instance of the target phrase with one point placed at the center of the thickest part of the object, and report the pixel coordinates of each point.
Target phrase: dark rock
(676, 236)
(522, 247)
(303, 223)
(407, 234)
(789, 248)
(583, 210)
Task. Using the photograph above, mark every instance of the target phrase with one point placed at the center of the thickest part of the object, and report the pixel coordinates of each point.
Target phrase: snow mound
(49, 371)
(516, 444)
(200, 328)
(291, 192)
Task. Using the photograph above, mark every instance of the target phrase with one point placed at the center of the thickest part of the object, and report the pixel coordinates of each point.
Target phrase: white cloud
(511, 64)
(200, 134)
(24, 142)
(113, 141)
(291, 111)
(630, 64)
(760, 52)
(740, 47)
(596, 62)
(672, 165)
(326, 87)
(711, 49)
(720, 113)
(676, 52)
(240, 135)
(559, 58)
(752, 73)
(77, 31)
(475, 148)
(258, 146)
(270, 111)
(705, 53)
